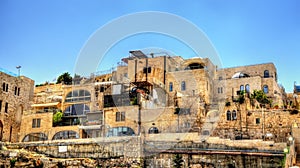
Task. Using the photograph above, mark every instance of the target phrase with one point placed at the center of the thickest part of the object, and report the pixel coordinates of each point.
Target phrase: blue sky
(45, 37)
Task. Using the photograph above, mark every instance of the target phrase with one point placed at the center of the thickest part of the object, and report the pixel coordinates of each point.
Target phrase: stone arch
(120, 131)
(39, 136)
(78, 95)
(1, 130)
(67, 134)
(153, 130)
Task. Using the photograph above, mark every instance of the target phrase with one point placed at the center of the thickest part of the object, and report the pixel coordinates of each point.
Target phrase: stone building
(155, 94)
(16, 94)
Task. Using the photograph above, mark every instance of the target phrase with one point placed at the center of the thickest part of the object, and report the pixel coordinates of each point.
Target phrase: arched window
(1, 130)
(228, 114)
(76, 109)
(234, 116)
(66, 135)
(247, 88)
(242, 88)
(35, 137)
(266, 89)
(266, 74)
(183, 86)
(78, 95)
(170, 86)
(120, 131)
(153, 130)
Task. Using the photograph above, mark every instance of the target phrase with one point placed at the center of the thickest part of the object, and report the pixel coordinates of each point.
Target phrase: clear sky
(45, 37)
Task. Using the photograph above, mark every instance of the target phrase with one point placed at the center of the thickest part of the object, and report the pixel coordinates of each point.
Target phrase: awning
(90, 127)
(45, 104)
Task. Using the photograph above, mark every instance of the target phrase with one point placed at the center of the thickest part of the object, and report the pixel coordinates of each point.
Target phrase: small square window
(257, 120)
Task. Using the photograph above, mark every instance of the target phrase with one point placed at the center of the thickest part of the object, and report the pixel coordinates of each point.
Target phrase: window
(182, 85)
(234, 116)
(257, 120)
(120, 131)
(228, 115)
(266, 89)
(35, 137)
(76, 109)
(120, 116)
(220, 90)
(66, 135)
(147, 70)
(242, 88)
(5, 87)
(78, 95)
(266, 74)
(247, 88)
(36, 123)
(170, 86)
(16, 90)
(0, 105)
(6, 108)
(205, 132)
(153, 130)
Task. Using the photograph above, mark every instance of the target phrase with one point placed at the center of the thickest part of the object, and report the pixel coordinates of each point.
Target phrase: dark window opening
(120, 116)
(257, 120)
(194, 66)
(183, 86)
(16, 90)
(66, 135)
(153, 130)
(170, 86)
(205, 132)
(6, 108)
(266, 74)
(3, 86)
(228, 115)
(147, 70)
(6, 89)
(36, 123)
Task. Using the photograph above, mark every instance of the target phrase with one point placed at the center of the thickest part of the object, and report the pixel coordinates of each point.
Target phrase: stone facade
(16, 95)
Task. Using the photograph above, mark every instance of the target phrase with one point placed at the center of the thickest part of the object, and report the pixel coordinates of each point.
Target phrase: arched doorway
(1, 130)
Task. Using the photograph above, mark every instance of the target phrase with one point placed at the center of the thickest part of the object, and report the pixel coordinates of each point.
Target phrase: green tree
(65, 78)
(260, 96)
(178, 161)
(57, 117)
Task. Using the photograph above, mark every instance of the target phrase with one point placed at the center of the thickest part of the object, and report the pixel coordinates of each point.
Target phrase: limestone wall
(18, 94)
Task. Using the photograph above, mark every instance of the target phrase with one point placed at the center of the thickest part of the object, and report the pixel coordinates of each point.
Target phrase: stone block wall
(16, 95)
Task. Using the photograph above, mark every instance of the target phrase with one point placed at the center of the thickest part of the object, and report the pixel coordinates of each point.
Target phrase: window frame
(266, 89)
(266, 74)
(228, 115)
(170, 86)
(183, 86)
